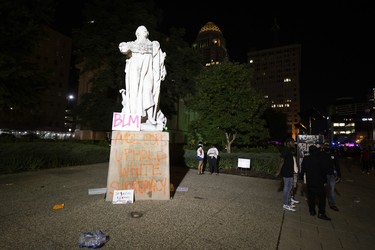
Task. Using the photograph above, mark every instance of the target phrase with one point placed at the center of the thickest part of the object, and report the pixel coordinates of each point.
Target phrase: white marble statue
(144, 71)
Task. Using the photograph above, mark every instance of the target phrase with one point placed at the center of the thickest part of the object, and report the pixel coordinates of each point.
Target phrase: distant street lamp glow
(70, 99)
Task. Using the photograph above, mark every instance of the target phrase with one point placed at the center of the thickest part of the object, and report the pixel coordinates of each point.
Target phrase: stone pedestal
(139, 161)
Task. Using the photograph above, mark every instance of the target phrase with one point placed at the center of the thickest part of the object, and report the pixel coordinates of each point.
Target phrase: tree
(183, 64)
(107, 23)
(229, 108)
(277, 124)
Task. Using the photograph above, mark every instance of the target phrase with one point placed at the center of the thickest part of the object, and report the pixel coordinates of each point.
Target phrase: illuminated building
(277, 78)
(350, 120)
(211, 44)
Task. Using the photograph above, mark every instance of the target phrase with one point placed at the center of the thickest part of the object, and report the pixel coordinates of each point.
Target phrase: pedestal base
(139, 161)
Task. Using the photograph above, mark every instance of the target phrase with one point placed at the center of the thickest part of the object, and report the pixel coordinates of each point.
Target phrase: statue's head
(141, 32)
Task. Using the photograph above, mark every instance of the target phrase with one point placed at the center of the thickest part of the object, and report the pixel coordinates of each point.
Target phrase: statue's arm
(159, 57)
(163, 71)
(124, 48)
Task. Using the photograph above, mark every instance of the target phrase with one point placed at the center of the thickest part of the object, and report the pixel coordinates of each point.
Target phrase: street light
(70, 98)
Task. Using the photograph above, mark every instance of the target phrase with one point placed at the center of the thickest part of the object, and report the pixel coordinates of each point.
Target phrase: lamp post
(69, 116)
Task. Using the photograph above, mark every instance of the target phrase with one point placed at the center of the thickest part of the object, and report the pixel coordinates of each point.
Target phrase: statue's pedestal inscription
(139, 161)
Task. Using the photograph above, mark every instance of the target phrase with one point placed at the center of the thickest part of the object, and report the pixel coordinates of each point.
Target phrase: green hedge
(31, 156)
(266, 163)
(20, 156)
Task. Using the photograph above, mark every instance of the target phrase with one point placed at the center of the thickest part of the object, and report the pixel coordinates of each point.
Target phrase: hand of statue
(124, 48)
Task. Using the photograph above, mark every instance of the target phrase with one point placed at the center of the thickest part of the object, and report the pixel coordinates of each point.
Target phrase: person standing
(295, 181)
(316, 177)
(366, 159)
(200, 158)
(333, 171)
(212, 155)
(286, 170)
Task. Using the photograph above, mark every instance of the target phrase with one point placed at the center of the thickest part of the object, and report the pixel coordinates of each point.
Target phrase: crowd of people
(319, 172)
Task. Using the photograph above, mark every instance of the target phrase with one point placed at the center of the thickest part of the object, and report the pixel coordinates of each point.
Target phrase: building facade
(52, 55)
(277, 78)
(211, 44)
(351, 121)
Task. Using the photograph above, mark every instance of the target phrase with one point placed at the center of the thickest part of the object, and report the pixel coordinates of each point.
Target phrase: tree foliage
(183, 64)
(229, 108)
(277, 124)
(107, 23)
(95, 42)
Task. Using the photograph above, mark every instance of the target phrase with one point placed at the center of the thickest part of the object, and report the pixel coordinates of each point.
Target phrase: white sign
(123, 196)
(126, 122)
(243, 163)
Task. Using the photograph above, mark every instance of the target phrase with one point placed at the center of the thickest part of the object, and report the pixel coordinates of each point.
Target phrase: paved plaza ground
(222, 211)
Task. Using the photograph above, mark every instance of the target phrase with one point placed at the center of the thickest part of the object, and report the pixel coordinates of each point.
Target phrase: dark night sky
(337, 44)
(336, 39)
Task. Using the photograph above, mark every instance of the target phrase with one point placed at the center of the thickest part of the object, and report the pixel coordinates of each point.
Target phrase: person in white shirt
(200, 158)
(212, 155)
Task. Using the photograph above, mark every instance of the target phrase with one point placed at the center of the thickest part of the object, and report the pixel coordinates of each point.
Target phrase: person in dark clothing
(365, 159)
(212, 155)
(333, 171)
(286, 170)
(316, 177)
